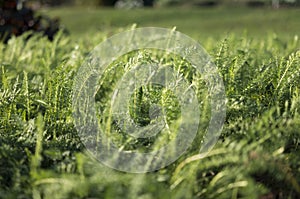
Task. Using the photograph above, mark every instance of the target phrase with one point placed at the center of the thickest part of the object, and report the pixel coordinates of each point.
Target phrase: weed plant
(257, 155)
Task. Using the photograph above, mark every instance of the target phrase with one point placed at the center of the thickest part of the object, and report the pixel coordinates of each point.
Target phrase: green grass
(198, 23)
(257, 155)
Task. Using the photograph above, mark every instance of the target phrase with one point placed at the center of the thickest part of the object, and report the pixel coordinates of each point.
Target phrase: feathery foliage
(257, 155)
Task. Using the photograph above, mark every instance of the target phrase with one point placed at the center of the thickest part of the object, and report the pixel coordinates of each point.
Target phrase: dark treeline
(151, 3)
(86, 2)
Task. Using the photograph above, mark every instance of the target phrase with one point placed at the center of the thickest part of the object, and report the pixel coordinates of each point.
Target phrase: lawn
(257, 53)
(199, 23)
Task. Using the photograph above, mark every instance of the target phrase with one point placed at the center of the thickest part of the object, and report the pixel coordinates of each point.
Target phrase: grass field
(257, 53)
(198, 23)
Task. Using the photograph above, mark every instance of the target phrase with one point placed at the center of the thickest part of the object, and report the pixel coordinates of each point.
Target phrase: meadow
(257, 53)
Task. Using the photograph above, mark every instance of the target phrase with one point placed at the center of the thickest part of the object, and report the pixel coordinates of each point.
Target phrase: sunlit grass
(256, 156)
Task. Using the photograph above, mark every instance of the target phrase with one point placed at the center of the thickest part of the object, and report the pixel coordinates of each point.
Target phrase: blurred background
(157, 3)
(198, 18)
